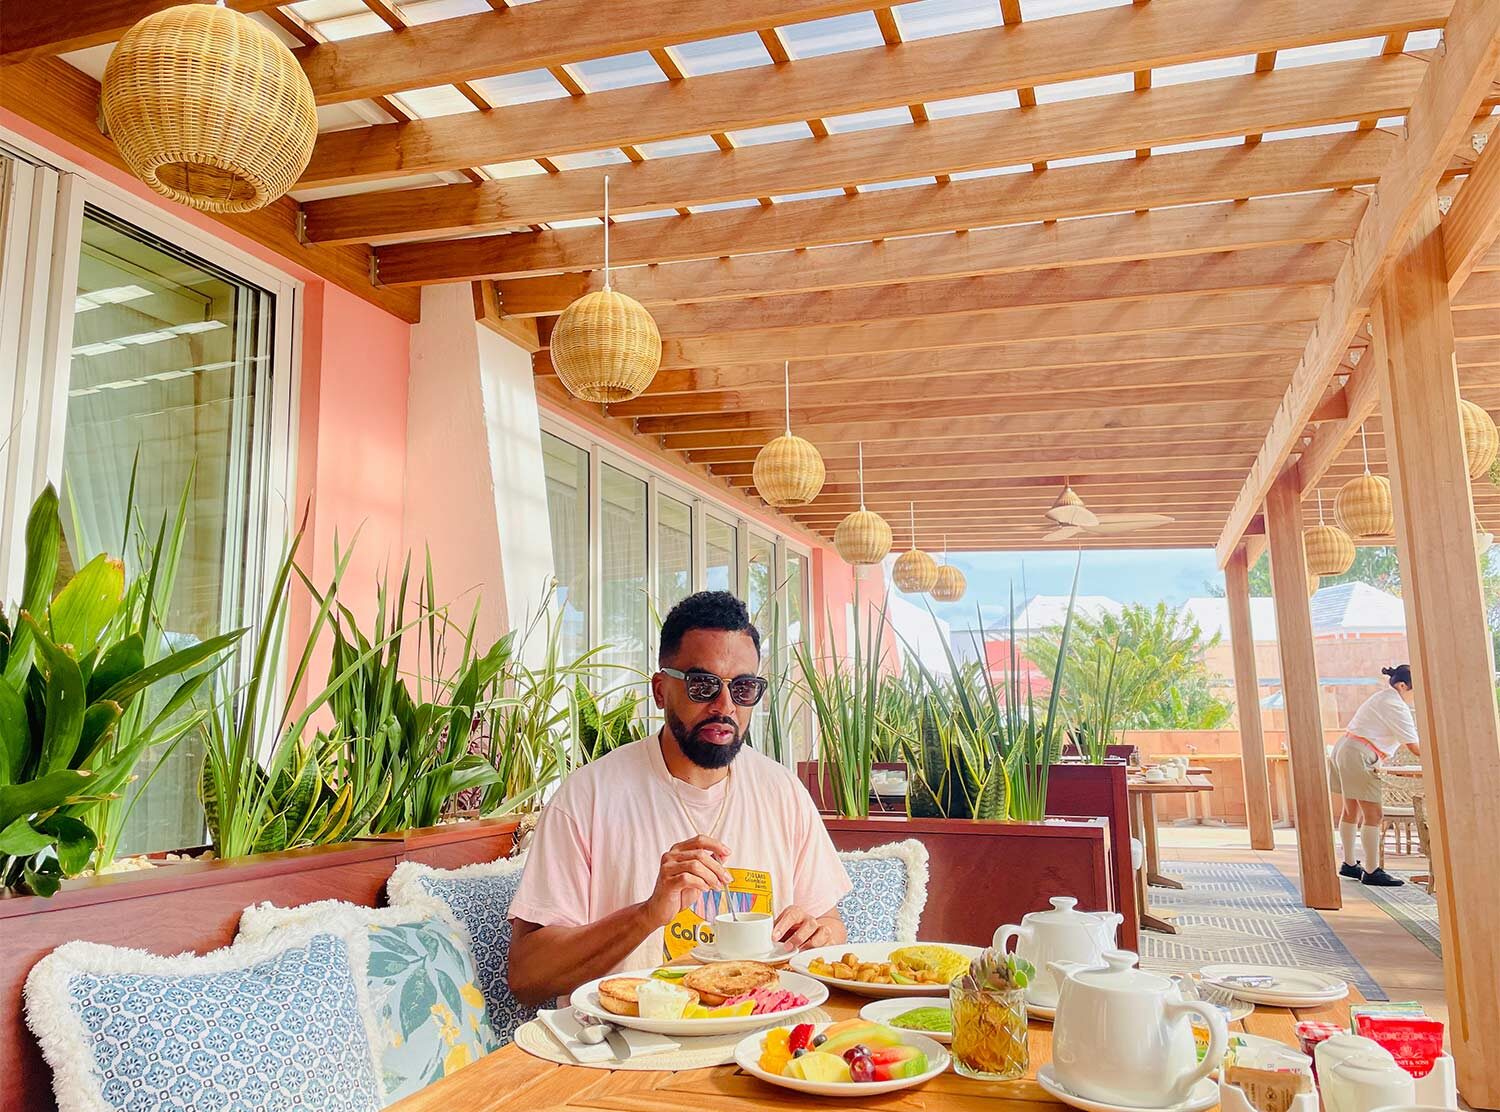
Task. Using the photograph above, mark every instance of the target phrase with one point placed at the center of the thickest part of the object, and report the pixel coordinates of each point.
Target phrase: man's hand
(687, 869)
(801, 931)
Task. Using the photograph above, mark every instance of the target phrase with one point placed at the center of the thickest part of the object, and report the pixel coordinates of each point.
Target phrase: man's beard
(706, 754)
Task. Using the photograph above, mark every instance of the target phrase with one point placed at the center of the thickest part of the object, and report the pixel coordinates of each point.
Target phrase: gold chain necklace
(681, 806)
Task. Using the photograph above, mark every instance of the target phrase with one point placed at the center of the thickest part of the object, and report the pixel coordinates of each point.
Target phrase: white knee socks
(1369, 839)
(1346, 841)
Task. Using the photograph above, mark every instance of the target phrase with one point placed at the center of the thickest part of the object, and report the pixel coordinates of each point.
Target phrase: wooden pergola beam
(37, 30)
(1090, 44)
(1449, 96)
(1036, 256)
(1289, 166)
(1230, 106)
(999, 448)
(1473, 223)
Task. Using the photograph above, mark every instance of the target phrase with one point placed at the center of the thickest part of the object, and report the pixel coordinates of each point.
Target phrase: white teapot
(1124, 1036)
(1062, 934)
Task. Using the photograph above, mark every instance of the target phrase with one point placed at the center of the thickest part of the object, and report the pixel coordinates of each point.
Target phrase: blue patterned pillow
(421, 978)
(479, 897)
(279, 1024)
(889, 893)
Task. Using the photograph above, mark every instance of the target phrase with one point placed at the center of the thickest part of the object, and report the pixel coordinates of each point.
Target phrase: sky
(1142, 576)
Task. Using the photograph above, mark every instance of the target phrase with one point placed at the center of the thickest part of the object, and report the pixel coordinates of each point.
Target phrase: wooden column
(1299, 689)
(1247, 700)
(1452, 665)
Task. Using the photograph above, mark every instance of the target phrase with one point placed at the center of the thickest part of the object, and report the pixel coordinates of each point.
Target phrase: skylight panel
(1049, 9)
(929, 18)
(866, 121)
(526, 87)
(650, 214)
(1391, 121)
(817, 37)
(581, 222)
(1304, 132)
(437, 100)
(609, 157)
(362, 21)
(904, 183)
(350, 189)
(430, 11)
(721, 206)
(809, 195)
(1237, 66)
(354, 113)
(525, 168)
(1200, 145)
(1329, 52)
(969, 106)
(991, 172)
(671, 148)
(1423, 40)
(315, 11)
(729, 52)
(1088, 87)
(776, 133)
(623, 71)
(1090, 159)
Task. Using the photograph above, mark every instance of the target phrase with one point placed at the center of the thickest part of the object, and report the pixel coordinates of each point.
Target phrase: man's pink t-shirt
(599, 842)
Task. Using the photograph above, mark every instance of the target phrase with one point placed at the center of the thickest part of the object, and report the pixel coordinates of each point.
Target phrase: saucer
(707, 953)
(1290, 988)
(1041, 1011)
(1204, 1095)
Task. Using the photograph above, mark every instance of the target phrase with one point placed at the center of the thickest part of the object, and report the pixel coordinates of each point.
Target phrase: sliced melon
(892, 1063)
(860, 1033)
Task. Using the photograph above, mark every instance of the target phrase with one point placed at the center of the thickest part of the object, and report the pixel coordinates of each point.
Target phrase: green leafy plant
(72, 666)
(597, 731)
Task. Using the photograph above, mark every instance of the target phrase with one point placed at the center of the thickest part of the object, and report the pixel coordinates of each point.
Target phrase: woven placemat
(695, 1054)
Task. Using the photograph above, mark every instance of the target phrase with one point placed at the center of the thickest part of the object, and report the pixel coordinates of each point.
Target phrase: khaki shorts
(1351, 770)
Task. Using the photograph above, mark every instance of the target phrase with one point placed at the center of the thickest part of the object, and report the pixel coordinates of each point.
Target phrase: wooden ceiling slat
(32, 29)
(1037, 257)
(1287, 166)
(1450, 94)
(998, 326)
(1089, 44)
(1230, 106)
(1102, 448)
(982, 466)
(526, 37)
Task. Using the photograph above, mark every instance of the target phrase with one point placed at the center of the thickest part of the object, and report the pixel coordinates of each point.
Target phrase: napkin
(562, 1024)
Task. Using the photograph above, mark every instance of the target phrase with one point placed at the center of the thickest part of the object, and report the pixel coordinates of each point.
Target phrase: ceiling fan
(1072, 518)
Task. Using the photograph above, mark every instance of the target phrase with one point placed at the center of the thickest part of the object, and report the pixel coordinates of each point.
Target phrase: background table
(1143, 795)
(510, 1080)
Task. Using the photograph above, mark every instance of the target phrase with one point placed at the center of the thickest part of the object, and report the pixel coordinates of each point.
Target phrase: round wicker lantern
(1330, 550)
(788, 471)
(950, 585)
(915, 572)
(863, 538)
(1313, 583)
(209, 108)
(1363, 506)
(1481, 439)
(605, 346)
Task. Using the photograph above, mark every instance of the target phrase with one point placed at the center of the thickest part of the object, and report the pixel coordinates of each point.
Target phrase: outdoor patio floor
(1397, 961)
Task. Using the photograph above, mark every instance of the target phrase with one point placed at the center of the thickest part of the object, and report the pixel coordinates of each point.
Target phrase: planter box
(196, 905)
(984, 874)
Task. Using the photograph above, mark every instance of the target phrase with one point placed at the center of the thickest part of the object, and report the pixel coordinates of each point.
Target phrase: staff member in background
(1382, 724)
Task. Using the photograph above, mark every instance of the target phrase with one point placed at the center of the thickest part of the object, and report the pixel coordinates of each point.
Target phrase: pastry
(724, 980)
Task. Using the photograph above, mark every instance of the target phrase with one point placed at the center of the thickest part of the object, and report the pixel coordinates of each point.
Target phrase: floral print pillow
(421, 981)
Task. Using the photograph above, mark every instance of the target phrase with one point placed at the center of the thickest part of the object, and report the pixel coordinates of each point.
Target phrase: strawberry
(801, 1035)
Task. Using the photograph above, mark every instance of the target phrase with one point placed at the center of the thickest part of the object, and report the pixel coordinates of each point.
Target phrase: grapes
(819, 1040)
(801, 1050)
(862, 1069)
(857, 1051)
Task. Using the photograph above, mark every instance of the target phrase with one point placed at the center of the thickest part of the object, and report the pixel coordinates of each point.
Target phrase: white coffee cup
(747, 935)
(1156, 775)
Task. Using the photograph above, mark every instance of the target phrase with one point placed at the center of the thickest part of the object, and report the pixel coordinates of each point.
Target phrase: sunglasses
(704, 687)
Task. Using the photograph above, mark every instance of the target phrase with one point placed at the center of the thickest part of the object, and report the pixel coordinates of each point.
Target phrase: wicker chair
(1399, 817)
(1419, 808)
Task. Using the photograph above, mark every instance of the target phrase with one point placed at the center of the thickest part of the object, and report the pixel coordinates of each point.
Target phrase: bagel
(618, 995)
(724, 980)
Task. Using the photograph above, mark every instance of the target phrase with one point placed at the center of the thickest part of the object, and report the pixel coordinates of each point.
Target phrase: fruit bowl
(901, 1058)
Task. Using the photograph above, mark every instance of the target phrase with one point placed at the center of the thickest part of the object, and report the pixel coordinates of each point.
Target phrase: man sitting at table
(639, 852)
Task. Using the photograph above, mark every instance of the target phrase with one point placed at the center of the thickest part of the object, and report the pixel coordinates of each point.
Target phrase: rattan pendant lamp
(606, 347)
(1362, 506)
(951, 584)
(1481, 439)
(788, 471)
(209, 108)
(915, 571)
(1313, 583)
(863, 537)
(1329, 550)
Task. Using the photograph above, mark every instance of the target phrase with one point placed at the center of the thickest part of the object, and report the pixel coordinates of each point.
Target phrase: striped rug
(1232, 911)
(1412, 907)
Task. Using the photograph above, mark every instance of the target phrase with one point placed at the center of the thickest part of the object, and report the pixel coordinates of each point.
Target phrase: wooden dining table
(511, 1080)
(1143, 795)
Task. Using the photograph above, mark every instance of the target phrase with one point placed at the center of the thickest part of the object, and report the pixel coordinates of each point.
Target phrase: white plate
(747, 1057)
(1292, 988)
(586, 999)
(1041, 1011)
(1203, 1095)
(873, 951)
(883, 1011)
(707, 953)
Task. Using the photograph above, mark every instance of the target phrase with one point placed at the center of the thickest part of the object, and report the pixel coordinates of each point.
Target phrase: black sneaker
(1351, 872)
(1379, 878)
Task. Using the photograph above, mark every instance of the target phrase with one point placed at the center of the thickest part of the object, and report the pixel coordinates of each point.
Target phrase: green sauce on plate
(925, 1019)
